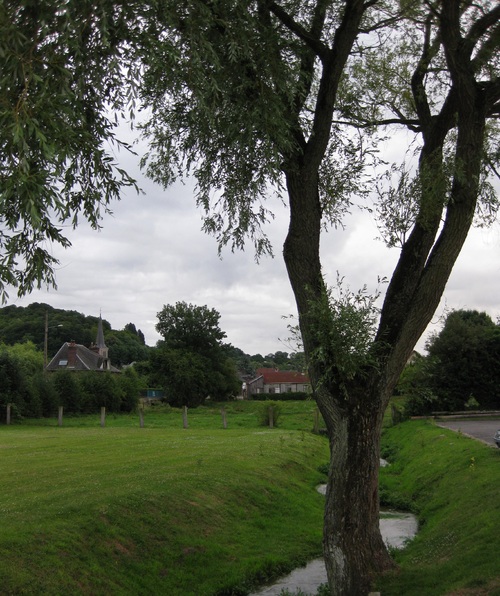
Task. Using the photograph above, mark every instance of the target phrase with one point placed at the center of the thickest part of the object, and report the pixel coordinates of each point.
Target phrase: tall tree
(191, 362)
(252, 95)
(462, 364)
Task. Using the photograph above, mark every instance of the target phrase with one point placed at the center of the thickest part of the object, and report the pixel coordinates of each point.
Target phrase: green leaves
(188, 326)
(343, 326)
(62, 69)
(220, 94)
(191, 362)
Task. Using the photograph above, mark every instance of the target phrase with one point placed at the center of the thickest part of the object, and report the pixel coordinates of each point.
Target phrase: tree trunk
(352, 543)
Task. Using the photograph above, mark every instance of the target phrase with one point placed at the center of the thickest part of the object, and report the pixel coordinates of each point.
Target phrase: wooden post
(271, 417)
(224, 421)
(103, 417)
(8, 413)
(141, 418)
(60, 416)
(185, 416)
(316, 421)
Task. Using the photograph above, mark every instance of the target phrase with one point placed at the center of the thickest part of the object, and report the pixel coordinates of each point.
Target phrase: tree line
(461, 370)
(33, 393)
(190, 364)
(19, 324)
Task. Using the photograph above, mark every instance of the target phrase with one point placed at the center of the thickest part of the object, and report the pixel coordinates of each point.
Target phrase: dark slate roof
(72, 356)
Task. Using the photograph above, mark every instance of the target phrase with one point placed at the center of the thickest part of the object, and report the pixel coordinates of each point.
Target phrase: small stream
(396, 528)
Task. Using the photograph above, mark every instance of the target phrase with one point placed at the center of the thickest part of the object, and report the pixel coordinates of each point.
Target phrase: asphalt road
(478, 429)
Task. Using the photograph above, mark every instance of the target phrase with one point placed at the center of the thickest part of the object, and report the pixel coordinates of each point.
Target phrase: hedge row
(288, 396)
(80, 393)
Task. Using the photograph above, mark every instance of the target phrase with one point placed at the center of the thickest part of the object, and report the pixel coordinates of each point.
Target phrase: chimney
(72, 354)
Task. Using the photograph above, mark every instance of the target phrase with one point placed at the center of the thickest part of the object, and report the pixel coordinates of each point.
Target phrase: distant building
(76, 357)
(270, 380)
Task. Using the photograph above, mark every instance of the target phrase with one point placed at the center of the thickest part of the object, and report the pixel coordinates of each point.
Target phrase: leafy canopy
(461, 367)
(62, 76)
(191, 362)
(189, 326)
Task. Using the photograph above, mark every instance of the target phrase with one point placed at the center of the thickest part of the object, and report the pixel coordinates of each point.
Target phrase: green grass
(297, 415)
(453, 484)
(159, 509)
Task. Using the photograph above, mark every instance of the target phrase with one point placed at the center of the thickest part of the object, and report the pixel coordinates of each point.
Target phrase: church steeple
(99, 342)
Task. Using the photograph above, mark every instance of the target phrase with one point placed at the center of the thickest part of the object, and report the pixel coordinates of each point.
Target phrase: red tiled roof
(281, 376)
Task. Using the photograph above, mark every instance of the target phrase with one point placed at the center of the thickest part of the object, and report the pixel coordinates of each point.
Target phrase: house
(77, 357)
(270, 380)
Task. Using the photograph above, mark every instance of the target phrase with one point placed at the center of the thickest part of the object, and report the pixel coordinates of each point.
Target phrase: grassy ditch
(159, 509)
(452, 483)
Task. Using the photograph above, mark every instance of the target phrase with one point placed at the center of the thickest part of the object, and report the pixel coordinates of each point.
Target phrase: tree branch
(480, 26)
(309, 38)
(344, 38)
(488, 47)
(429, 51)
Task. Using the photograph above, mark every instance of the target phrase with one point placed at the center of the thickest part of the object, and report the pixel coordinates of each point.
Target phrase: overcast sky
(152, 252)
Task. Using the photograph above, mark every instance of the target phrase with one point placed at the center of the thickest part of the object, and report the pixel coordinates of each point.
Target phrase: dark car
(496, 438)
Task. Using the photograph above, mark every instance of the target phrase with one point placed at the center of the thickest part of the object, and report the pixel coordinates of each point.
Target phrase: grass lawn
(159, 509)
(211, 511)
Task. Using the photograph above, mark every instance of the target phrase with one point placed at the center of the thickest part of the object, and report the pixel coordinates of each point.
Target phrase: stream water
(396, 529)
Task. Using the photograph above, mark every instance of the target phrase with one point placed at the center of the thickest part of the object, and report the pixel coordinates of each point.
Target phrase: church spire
(99, 342)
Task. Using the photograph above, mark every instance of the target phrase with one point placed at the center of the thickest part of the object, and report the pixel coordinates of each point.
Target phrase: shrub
(264, 413)
(128, 383)
(288, 396)
(69, 391)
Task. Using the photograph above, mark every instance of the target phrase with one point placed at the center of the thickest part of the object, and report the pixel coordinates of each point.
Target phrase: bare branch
(310, 38)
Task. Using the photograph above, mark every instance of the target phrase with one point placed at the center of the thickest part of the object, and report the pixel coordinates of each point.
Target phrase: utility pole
(46, 339)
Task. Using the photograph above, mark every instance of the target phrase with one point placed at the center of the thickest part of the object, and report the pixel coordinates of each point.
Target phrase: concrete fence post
(224, 421)
(271, 417)
(60, 415)
(8, 413)
(141, 418)
(103, 417)
(185, 417)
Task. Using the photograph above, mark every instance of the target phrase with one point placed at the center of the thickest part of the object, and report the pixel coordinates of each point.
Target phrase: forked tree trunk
(353, 545)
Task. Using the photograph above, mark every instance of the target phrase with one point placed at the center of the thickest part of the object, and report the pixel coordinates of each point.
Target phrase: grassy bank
(294, 415)
(159, 509)
(453, 484)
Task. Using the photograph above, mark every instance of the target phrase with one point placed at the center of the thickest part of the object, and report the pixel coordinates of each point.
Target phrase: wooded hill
(19, 324)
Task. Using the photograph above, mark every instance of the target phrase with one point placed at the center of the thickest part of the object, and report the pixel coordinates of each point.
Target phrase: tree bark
(353, 546)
